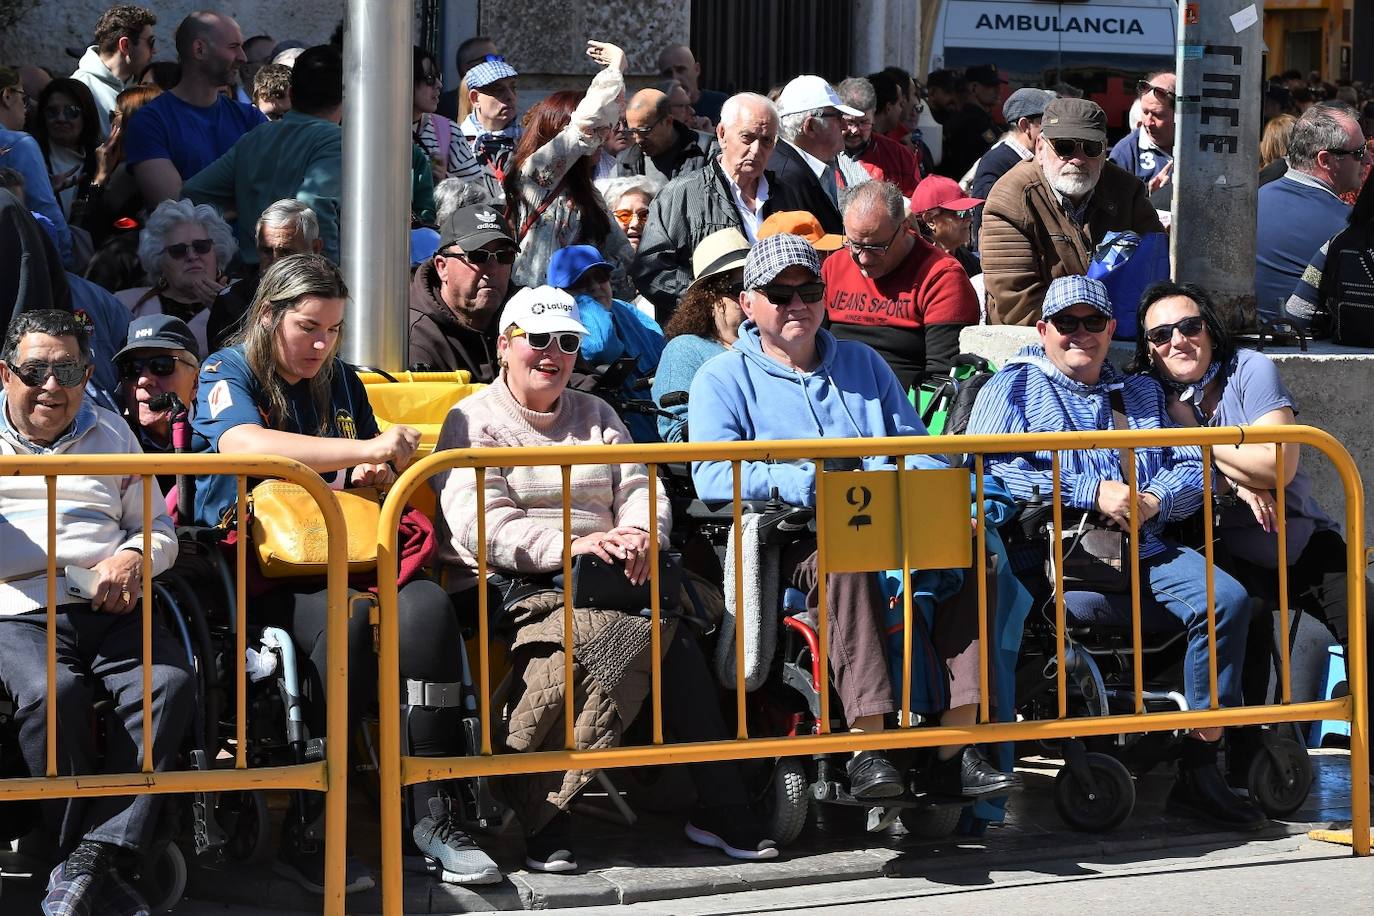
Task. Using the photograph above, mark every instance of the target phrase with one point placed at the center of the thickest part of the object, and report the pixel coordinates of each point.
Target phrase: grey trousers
(95, 649)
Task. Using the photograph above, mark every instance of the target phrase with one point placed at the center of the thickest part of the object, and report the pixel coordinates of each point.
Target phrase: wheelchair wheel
(244, 818)
(164, 881)
(1104, 808)
(785, 801)
(934, 823)
(1280, 777)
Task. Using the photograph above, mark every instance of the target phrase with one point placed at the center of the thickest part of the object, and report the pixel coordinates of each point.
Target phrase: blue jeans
(1177, 579)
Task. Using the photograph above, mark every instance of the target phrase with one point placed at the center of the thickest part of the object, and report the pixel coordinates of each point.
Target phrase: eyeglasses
(1162, 334)
(782, 293)
(1358, 153)
(35, 374)
(481, 256)
(858, 248)
(161, 365)
(642, 132)
(827, 114)
(432, 79)
(62, 112)
(629, 217)
(1143, 87)
(541, 340)
(1067, 149)
(1068, 324)
(179, 251)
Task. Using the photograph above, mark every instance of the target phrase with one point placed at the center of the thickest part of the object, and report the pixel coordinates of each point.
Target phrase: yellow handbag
(288, 530)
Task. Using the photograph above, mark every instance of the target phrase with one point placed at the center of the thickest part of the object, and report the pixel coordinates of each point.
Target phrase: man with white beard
(1045, 216)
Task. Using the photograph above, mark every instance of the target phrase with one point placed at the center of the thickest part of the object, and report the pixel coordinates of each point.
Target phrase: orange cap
(802, 223)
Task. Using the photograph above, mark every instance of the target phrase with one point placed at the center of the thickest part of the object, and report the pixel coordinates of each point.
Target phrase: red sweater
(911, 316)
(887, 160)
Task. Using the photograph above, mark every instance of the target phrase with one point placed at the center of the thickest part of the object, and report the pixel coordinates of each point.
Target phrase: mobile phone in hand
(81, 582)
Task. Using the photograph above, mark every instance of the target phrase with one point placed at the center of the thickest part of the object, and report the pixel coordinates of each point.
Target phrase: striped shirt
(1030, 395)
(461, 162)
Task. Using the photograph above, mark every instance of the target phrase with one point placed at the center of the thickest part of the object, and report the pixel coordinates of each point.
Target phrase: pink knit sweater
(524, 505)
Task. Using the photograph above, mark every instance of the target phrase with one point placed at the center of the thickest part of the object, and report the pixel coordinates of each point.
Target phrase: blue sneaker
(449, 850)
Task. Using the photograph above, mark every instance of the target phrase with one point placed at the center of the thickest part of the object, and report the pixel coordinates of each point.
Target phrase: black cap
(947, 80)
(986, 75)
(473, 226)
(1074, 119)
(159, 332)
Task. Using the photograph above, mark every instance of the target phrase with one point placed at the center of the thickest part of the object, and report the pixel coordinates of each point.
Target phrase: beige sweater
(524, 505)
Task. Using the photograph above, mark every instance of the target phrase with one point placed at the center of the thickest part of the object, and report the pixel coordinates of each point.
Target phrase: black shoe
(550, 850)
(732, 829)
(968, 774)
(1201, 792)
(872, 775)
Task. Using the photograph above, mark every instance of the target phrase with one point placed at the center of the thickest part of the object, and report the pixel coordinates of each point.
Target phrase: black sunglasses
(540, 340)
(782, 293)
(35, 374)
(642, 132)
(64, 112)
(1358, 152)
(1067, 149)
(1068, 324)
(181, 249)
(1163, 333)
(432, 79)
(161, 365)
(1164, 95)
(482, 255)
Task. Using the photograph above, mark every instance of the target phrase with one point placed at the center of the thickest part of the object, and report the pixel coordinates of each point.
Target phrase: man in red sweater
(893, 290)
(882, 157)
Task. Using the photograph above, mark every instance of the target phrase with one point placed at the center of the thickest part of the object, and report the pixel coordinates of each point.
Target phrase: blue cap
(159, 332)
(1065, 292)
(568, 265)
(488, 72)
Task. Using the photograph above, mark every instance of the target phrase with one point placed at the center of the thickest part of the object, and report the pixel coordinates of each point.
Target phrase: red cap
(939, 191)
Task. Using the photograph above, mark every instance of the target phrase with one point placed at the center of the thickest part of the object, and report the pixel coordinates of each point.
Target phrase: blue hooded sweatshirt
(1030, 394)
(745, 395)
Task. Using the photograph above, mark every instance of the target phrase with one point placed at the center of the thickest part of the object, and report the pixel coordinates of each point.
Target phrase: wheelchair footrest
(835, 793)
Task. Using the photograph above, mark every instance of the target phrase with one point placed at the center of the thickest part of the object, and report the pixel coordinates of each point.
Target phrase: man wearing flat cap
(1044, 218)
(786, 377)
(455, 295)
(1022, 112)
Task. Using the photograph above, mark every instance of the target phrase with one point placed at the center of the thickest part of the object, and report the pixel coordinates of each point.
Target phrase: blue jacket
(1030, 394)
(622, 332)
(744, 395)
(22, 153)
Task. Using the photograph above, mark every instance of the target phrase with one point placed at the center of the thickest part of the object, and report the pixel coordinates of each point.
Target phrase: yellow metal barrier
(398, 771)
(328, 776)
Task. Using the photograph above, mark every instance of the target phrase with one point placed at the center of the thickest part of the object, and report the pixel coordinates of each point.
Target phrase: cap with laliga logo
(542, 309)
(473, 226)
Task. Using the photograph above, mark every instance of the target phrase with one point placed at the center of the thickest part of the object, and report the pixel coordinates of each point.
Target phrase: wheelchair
(1095, 789)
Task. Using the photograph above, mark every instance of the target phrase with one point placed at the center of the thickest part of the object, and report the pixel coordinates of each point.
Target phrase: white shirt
(750, 217)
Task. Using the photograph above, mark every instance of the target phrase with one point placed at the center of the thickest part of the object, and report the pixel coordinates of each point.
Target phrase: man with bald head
(185, 129)
(676, 62)
(662, 148)
(734, 190)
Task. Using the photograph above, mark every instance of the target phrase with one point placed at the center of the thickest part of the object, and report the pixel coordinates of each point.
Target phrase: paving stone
(539, 891)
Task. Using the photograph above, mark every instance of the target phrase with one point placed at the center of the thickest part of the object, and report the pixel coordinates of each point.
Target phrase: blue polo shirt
(190, 136)
(229, 395)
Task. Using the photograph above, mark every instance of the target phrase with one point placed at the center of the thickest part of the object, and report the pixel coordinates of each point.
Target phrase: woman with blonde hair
(1274, 146)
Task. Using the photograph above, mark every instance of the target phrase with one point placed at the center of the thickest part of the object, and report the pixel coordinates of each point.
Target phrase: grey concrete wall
(1332, 385)
(46, 30)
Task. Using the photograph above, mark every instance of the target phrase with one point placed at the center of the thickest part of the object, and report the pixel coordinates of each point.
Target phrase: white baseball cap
(807, 93)
(542, 309)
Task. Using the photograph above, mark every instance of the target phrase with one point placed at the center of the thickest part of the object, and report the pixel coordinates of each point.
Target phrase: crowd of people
(757, 265)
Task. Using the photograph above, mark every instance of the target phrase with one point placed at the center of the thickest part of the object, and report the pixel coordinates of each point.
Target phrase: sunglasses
(1143, 87)
(432, 79)
(541, 340)
(642, 132)
(1067, 149)
(161, 365)
(1068, 324)
(782, 293)
(35, 374)
(62, 112)
(1162, 334)
(628, 217)
(481, 256)
(180, 250)
(1358, 153)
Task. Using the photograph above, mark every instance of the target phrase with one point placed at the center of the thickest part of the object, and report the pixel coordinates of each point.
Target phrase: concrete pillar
(1216, 150)
(375, 233)
(886, 32)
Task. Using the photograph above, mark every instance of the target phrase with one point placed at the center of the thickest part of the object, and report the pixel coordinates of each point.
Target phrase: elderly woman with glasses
(1184, 343)
(184, 249)
(529, 406)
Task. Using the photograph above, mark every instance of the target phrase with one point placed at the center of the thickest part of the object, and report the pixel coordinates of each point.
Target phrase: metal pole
(376, 206)
(1216, 151)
